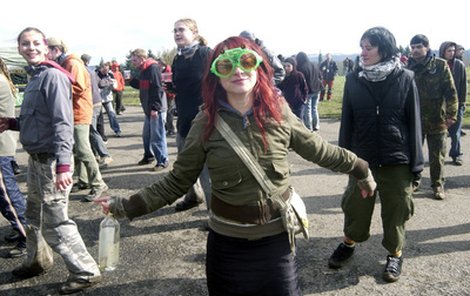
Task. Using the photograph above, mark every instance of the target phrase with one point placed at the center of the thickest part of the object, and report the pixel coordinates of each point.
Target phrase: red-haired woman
(246, 254)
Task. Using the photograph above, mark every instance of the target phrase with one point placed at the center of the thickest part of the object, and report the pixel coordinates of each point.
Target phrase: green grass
(326, 109)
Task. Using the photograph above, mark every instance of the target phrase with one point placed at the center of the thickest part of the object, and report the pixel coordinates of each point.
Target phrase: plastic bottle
(108, 254)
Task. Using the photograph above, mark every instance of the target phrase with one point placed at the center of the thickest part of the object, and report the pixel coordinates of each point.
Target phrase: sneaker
(392, 269)
(13, 236)
(17, 251)
(161, 166)
(95, 193)
(145, 161)
(462, 133)
(340, 256)
(76, 285)
(79, 187)
(106, 160)
(439, 193)
(118, 135)
(458, 161)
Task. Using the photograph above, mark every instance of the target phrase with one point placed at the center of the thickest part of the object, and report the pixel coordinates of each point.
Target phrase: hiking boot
(95, 193)
(76, 285)
(145, 161)
(161, 166)
(17, 251)
(392, 269)
(13, 236)
(439, 193)
(79, 187)
(340, 256)
(24, 271)
(458, 161)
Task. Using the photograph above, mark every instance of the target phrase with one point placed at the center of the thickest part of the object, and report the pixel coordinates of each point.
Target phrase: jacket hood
(444, 46)
(52, 64)
(301, 58)
(148, 63)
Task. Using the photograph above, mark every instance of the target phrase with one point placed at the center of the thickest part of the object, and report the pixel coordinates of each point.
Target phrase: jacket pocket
(226, 180)
(281, 169)
(29, 133)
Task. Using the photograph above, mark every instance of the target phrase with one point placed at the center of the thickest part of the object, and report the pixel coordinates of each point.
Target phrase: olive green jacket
(231, 180)
(437, 94)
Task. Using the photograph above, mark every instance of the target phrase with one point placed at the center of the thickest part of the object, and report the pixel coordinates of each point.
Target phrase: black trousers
(241, 267)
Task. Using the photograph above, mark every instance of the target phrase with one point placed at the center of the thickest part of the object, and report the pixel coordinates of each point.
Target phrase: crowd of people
(239, 90)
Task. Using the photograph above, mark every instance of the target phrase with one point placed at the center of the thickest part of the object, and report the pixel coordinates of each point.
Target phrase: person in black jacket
(312, 76)
(188, 70)
(381, 123)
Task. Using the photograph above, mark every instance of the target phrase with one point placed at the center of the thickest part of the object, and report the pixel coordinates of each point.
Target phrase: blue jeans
(154, 138)
(307, 116)
(314, 110)
(455, 134)
(310, 118)
(12, 201)
(96, 141)
(113, 122)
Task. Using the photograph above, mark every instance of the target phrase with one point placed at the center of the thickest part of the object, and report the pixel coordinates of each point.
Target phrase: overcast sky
(109, 29)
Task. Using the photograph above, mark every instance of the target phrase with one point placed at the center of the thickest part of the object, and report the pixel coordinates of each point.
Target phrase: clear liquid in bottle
(108, 254)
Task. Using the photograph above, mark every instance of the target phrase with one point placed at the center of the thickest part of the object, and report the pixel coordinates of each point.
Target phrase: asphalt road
(163, 253)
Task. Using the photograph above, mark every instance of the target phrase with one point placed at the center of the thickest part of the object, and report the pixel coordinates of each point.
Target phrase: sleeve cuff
(63, 168)
(13, 124)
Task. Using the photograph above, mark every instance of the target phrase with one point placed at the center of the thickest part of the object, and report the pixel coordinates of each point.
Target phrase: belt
(41, 157)
(252, 214)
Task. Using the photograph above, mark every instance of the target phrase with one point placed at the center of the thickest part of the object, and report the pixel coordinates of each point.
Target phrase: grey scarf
(188, 50)
(379, 71)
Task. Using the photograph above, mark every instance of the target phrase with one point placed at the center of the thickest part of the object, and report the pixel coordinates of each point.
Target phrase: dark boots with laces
(344, 252)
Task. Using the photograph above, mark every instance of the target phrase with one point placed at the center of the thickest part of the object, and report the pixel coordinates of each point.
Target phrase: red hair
(267, 101)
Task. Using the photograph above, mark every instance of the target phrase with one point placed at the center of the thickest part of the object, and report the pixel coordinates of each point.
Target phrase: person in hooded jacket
(447, 51)
(312, 74)
(294, 88)
(153, 100)
(46, 132)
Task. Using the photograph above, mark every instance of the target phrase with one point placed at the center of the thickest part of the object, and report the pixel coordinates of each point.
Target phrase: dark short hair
(420, 38)
(384, 40)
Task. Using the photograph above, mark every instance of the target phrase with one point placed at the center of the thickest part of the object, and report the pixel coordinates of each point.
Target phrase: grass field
(331, 109)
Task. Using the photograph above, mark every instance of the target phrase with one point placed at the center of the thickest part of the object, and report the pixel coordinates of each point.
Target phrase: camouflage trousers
(437, 153)
(49, 225)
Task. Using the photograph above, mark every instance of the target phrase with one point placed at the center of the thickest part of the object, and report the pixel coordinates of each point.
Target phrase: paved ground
(163, 253)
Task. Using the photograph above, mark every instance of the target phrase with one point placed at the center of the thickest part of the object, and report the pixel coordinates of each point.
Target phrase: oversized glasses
(225, 64)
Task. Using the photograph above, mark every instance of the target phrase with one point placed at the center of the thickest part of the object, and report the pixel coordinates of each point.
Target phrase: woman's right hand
(103, 201)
